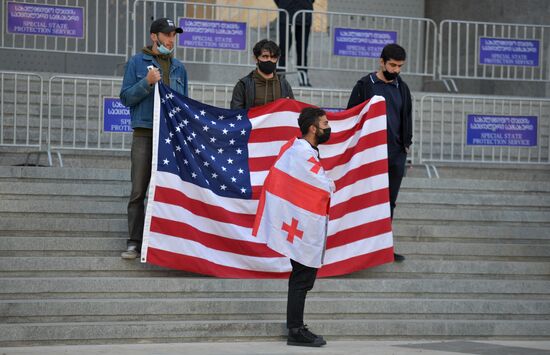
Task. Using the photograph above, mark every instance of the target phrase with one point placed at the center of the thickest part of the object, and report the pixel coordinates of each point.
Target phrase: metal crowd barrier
(213, 33)
(501, 51)
(21, 109)
(104, 25)
(75, 116)
(489, 129)
(353, 42)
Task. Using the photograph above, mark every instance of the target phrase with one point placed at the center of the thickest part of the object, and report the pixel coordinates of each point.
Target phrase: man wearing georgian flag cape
(292, 216)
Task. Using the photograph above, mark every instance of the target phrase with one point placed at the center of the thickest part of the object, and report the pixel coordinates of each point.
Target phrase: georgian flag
(293, 211)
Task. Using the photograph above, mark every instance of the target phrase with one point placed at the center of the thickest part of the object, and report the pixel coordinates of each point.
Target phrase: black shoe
(303, 337)
(398, 258)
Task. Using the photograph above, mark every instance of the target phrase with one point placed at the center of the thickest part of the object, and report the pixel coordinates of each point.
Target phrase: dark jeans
(302, 42)
(300, 281)
(141, 155)
(396, 170)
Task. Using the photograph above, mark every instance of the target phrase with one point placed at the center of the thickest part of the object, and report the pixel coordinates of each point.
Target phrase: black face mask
(390, 76)
(323, 137)
(267, 67)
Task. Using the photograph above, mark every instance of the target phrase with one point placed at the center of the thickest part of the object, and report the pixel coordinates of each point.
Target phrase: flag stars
(203, 112)
(189, 138)
(205, 128)
(243, 190)
(193, 134)
(232, 125)
(206, 163)
(213, 122)
(239, 151)
(221, 117)
(213, 158)
(185, 122)
(185, 161)
(243, 132)
(231, 142)
(241, 171)
(224, 168)
(233, 179)
(212, 139)
(167, 141)
(239, 118)
(196, 117)
(198, 151)
(171, 134)
(214, 175)
(203, 147)
(193, 175)
(166, 161)
(229, 161)
(223, 187)
(178, 148)
(220, 150)
(178, 129)
(225, 131)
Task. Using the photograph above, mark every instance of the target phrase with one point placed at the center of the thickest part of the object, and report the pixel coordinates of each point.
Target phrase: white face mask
(162, 49)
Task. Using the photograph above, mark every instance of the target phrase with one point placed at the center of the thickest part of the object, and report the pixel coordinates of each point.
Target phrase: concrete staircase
(477, 244)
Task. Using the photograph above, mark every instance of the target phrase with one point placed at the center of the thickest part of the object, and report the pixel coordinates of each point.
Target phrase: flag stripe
(206, 267)
(365, 230)
(212, 241)
(359, 202)
(178, 198)
(298, 193)
(357, 263)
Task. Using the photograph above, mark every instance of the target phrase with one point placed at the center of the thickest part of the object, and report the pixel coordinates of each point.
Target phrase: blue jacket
(138, 95)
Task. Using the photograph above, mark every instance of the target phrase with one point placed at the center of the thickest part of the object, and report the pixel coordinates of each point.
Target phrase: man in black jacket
(263, 85)
(387, 83)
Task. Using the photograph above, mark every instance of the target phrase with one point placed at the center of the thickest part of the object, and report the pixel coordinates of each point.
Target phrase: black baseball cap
(164, 25)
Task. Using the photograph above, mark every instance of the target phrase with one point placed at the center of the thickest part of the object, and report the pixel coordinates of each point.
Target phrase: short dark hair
(268, 45)
(309, 116)
(393, 51)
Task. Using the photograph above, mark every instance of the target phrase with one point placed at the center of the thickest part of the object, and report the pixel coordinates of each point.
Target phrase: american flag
(209, 165)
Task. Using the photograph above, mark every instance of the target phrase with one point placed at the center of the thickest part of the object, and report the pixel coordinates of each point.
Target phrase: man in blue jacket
(143, 71)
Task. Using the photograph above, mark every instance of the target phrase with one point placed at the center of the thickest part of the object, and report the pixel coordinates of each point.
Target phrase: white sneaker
(130, 254)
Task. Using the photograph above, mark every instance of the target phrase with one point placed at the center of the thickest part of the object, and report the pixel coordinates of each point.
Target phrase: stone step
(93, 266)
(512, 200)
(26, 189)
(477, 214)
(59, 174)
(182, 331)
(501, 231)
(108, 246)
(211, 308)
(64, 206)
(200, 287)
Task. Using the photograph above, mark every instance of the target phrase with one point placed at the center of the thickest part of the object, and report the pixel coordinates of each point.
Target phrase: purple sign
(45, 20)
(116, 116)
(512, 131)
(212, 34)
(361, 43)
(332, 109)
(506, 51)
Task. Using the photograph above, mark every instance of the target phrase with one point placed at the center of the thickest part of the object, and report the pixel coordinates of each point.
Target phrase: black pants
(396, 170)
(302, 41)
(300, 281)
(141, 155)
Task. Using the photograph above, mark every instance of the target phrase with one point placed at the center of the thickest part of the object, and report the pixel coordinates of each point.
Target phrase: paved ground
(451, 347)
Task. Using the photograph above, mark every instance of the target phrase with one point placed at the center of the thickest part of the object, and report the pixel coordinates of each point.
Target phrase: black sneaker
(303, 337)
(398, 258)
